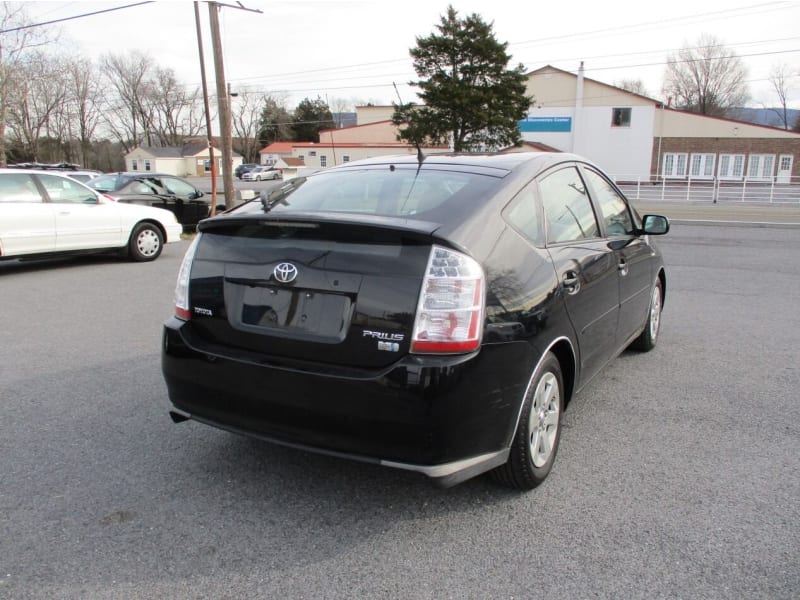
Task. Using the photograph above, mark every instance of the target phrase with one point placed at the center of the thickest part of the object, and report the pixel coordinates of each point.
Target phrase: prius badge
(285, 272)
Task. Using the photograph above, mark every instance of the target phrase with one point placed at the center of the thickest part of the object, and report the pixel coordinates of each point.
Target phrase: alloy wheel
(544, 419)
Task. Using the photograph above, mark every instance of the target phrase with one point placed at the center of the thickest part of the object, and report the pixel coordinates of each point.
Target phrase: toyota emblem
(285, 272)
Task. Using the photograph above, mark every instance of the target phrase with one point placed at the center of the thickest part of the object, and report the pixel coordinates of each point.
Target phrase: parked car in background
(244, 168)
(47, 213)
(262, 173)
(70, 170)
(433, 315)
(83, 176)
(156, 189)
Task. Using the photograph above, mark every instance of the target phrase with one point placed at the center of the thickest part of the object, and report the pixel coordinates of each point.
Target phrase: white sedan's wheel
(146, 242)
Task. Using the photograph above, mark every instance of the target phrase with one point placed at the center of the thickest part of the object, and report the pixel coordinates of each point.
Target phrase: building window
(675, 164)
(760, 166)
(312, 152)
(702, 166)
(302, 157)
(346, 158)
(134, 165)
(620, 117)
(323, 161)
(147, 165)
(207, 166)
(731, 166)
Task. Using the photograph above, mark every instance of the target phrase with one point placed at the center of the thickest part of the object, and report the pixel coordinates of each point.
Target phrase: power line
(660, 23)
(97, 12)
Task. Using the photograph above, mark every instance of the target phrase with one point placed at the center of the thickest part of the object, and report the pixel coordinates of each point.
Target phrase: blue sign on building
(548, 124)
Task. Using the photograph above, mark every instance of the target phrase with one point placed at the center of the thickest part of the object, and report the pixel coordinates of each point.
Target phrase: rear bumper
(174, 231)
(448, 418)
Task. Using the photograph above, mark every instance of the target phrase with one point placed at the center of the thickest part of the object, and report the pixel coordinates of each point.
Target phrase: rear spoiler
(316, 219)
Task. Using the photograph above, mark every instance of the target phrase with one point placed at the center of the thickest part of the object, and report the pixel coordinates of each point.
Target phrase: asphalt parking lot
(678, 473)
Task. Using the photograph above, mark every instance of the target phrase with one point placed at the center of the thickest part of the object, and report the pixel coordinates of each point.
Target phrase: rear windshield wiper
(278, 195)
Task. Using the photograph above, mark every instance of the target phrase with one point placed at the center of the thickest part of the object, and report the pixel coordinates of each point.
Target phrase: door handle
(571, 282)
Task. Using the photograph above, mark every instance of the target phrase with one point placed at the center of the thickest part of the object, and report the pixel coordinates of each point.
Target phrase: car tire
(146, 243)
(535, 443)
(649, 336)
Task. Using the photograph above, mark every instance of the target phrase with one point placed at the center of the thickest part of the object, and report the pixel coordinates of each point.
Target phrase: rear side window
(176, 186)
(524, 216)
(140, 187)
(65, 190)
(567, 208)
(18, 187)
(400, 192)
(105, 183)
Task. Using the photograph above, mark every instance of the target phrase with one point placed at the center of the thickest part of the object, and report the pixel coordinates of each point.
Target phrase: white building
(635, 137)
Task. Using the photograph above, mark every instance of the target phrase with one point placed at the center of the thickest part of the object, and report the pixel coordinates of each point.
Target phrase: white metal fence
(777, 190)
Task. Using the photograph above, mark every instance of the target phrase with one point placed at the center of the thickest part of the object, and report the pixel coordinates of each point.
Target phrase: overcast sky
(356, 49)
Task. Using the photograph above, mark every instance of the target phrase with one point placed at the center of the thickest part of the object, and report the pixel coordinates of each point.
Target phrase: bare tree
(635, 86)
(246, 115)
(340, 106)
(38, 95)
(84, 94)
(780, 77)
(172, 113)
(16, 39)
(127, 116)
(707, 78)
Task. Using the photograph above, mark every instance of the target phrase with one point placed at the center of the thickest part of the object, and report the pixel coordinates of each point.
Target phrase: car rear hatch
(308, 288)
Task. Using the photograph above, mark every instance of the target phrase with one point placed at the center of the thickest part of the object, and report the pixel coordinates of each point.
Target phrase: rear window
(385, 191)
(105, 183)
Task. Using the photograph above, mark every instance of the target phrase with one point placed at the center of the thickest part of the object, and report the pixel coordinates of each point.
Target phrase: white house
(192, 159)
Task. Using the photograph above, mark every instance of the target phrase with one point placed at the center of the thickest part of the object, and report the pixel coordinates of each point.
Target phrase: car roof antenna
(420, 155)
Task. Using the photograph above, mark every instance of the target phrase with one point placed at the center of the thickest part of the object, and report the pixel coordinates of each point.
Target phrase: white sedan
(42, 214)
(261, 174)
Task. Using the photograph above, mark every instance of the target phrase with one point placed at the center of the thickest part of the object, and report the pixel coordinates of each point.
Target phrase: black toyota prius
(431, 313)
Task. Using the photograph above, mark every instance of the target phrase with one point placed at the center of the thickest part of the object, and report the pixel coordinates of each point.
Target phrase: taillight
(450, 310)
(182, 310)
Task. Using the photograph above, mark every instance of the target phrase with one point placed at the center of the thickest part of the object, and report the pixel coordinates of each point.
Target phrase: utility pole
(223, 100)
(224, 107)
(208, 113)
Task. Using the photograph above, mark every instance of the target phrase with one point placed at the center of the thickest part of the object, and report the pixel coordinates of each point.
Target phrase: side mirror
(655, 225)
(197, 194)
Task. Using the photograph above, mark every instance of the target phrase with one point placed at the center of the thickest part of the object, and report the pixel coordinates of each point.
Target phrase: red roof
(278, 148)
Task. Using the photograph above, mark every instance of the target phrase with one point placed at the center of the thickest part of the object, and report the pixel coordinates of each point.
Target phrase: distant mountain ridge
(770, 117)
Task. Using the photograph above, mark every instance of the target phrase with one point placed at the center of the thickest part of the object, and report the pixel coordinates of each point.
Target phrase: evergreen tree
(275, 124)
(471, 99)
(310, 117)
